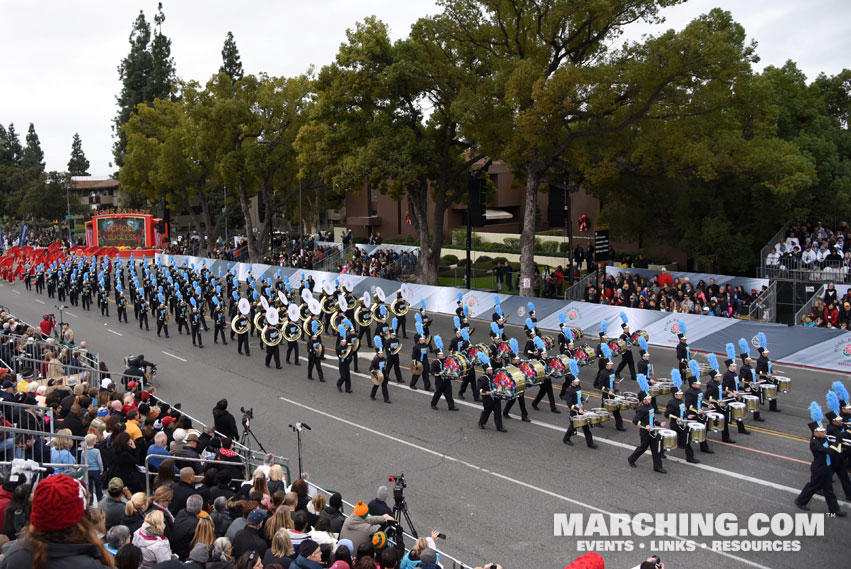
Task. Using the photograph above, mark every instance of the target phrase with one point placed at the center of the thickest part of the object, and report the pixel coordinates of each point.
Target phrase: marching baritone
(394, 346)
(575, 402)
(218, 322)
(315, 354)
(344, 355)
(419, 359)
(291, 333)
(121, 304)
(490, 404)
(645, 420)
(377, 369)
(162, 318)
(442, 384)
(195, 322)
(142, 304)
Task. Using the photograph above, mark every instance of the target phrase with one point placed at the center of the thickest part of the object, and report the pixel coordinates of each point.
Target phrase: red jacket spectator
(664, 278)
(831, 315)
(47, 324)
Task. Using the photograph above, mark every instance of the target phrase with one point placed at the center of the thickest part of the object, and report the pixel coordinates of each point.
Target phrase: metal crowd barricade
(764, 308)
(808, 306)
(86, 373)
(21, 436)
(446, 561)
(12, 411)
(148, 473)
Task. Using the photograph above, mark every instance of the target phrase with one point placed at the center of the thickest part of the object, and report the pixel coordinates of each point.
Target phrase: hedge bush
(449, 260)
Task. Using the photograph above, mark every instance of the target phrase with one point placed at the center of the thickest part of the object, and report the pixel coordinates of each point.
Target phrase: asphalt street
(495, 495)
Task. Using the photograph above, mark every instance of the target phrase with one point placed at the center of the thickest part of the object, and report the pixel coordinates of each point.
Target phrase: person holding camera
(359, 527)
(653, 562)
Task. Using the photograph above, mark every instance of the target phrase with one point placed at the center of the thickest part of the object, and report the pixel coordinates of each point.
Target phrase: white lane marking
(17, 292)
(114, 332)
(38, 300)
(627, 446)
(504, 477)
(69, 314)
(175, 357)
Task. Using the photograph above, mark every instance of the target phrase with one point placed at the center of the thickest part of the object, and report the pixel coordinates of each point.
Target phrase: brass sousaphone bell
(241, 324)
(271, 333)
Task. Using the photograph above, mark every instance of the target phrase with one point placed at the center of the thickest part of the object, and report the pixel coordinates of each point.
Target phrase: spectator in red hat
(590, 560)
(59, 535)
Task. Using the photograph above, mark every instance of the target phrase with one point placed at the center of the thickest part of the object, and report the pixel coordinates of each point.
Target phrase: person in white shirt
(809, 256)
(772, 259)
(822, 253)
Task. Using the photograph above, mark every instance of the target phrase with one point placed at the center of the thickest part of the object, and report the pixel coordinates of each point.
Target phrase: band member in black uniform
(731, 385)
(821, 472)
(419, 353)
(400, 322)
(605, 382)
(601, 358)
(233, 312)
(546, 386)
(683, 352)
(565, 336)
(364, 331)
(142, 304)
(677, 412)
(103, 301)
(162, 314)
(195, 318)
(627, 359)
(87, 294)
(393, 346)
(315, 355)
(839, 433)
(763, 373)
(242, 339)
(749, 381)
(442, 384)
(39, 282)
(715, 395)
(575, 401)
(379, 364)
(273, 350)
(694, 406)
(520, 399)
(532, 350)
(490, 404)
(344, 355)
(646, 368)
(121, 304)
(461, 343)
(645, 420)
(459, 306)
(292, 331)
(218, 322)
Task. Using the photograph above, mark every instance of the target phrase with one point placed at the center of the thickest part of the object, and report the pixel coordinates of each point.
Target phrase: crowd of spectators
(830, 310)
(667, 294)
(381, 263)
(812, 248)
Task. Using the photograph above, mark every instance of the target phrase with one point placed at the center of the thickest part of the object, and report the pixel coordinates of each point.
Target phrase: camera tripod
(246, 431)
(400, 511)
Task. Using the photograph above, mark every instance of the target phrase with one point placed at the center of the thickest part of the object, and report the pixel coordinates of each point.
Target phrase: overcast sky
(60, 57)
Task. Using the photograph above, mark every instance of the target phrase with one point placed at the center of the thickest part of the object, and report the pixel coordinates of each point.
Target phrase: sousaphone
(271, 333)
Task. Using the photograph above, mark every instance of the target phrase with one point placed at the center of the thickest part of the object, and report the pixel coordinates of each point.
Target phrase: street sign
(601, 244)
(526, 283)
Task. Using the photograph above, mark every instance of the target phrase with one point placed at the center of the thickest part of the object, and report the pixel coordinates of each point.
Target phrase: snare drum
(604, 414)
(751, 402)
(784, 384)
(579, 420)
(697, 431)
(668, 438)
(592, 417)
(665, 387)
(558, 366)
(614, 404)
(737, 410)
(624, 404)
(508, 383)
(769, 390)
(456, 365)
(715, 421)
(595, 417)
(534, 372)
(654, 391)
(584, 355)
(633, 402)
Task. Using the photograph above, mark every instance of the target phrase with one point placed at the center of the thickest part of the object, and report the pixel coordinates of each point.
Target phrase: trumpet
(240, 324)
(271, 335)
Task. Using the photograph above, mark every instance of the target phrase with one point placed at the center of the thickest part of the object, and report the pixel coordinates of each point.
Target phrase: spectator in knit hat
(113, 503)
(359, 527)
(59, 536)
(309, 556)
(428, 560)
(379, 507)
(590, 560)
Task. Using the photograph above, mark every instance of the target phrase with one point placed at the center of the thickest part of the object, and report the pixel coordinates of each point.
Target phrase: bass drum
(508, 383)
(618, 347)
(534, 372)
(558, 366)
(548, 342)
(576, 333)
(584, 355)
(633, 339)
(456, 365)
(474, 350)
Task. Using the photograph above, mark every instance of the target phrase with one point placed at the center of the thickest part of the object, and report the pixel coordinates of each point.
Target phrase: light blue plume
(383, 310)
(604, 327)
(314, 326)
(531, 306)
(418, 318)
(574, 368)
(483, 357)
(496, 300)
(743, 346)
(460, 297)
(682, 327)
(498, 309)
(419, 327)
(840, 390)
(378, 345)
(530, 324)
(495, 328)
(348, 323)
(160, 298)
(642, 383)
(562, 319)
(395, 323)
(833, 402)
(816, 412)
(607, 351)
(763, 341)
(422, 304)
(515, 347)
(215, 301)
(731, 350)
(193, 302)
(624, 319)
(466, 311)
(677, 379)
(643, 343)
(695, 369)
(539, 343)
(341, 330)
(438, 342)
(465, 334)
(713, 361)
(457, 322)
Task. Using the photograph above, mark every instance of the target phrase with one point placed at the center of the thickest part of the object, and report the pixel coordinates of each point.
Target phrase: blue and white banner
(22, 240)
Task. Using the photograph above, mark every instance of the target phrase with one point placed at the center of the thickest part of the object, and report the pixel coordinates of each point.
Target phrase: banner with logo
(782, 340)
(832, 354)
(664, 332)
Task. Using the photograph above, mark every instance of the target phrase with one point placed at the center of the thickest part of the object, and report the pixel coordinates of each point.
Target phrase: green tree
(32, 155)
(147, 73)
(231, 63)
(559, 86)
(14, 151)
(78, 165)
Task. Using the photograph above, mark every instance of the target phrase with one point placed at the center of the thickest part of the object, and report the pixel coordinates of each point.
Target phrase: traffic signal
(477, 201)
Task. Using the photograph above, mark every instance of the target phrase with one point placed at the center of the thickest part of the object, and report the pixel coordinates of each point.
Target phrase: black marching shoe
(592, 445)
(567, 442)
(801, 506)
(502, 429)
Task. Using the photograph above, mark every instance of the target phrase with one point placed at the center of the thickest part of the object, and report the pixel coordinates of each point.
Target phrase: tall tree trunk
(534, 175)
(426, 271)
(242, 192)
